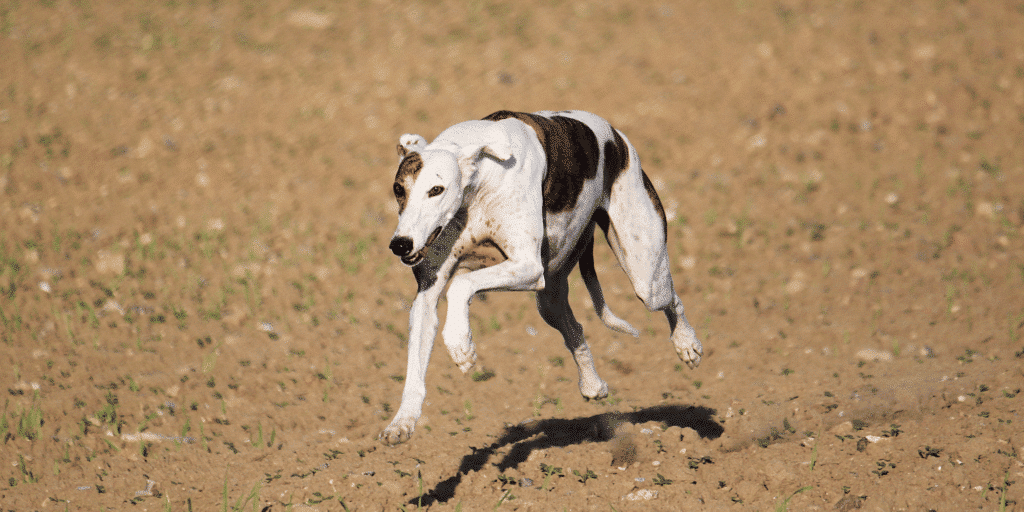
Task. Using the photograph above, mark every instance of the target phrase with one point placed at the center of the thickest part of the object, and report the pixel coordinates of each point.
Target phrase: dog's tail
(594, 287)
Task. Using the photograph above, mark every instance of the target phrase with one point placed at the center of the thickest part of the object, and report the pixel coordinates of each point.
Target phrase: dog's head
(430, 186)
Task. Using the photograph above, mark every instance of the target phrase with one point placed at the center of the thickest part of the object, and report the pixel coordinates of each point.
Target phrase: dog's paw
(594, 390)
(399, 431)
(460, 348)
(689, 351)
(464, 360)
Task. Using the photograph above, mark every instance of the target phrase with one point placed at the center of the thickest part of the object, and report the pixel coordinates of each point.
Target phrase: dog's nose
(401, 245)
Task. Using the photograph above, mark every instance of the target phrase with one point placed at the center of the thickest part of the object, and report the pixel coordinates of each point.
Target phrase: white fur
(492, 174)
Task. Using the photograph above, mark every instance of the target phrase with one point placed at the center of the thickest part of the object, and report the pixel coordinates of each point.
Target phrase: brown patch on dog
(408, 170)
(572, 152)
(616, 159)
(653, 194)
(482, 254)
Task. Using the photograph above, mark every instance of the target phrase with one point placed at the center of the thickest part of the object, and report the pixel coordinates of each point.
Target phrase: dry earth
(199, 310)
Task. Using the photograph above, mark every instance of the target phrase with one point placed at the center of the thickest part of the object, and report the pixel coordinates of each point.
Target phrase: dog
(514, 199)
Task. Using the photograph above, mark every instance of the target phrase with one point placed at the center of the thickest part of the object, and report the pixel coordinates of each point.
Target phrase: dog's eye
(399, 190)
(435, 191)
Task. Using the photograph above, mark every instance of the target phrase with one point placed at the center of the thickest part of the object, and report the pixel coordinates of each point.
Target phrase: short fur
(515, 198)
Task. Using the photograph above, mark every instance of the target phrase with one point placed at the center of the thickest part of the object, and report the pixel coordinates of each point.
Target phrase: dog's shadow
(541, 434)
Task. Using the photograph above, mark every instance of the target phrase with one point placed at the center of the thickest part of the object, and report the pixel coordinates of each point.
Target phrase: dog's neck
(470, 186)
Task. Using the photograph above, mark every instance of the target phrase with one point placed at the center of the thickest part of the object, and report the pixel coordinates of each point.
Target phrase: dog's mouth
(415, 258)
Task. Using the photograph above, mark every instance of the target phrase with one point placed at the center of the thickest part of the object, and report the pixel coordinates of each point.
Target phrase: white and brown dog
(515, 198)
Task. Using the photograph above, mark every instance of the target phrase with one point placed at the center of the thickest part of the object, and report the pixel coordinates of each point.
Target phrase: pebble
(641, 495)
(870, 354)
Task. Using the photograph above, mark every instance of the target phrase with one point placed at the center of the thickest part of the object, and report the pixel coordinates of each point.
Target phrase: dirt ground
(200, 312)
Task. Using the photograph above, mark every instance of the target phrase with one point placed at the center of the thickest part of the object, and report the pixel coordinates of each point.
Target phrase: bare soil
(199, 310)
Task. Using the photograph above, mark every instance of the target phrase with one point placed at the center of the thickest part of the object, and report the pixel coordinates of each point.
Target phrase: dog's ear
(494, 144)
(410, 142)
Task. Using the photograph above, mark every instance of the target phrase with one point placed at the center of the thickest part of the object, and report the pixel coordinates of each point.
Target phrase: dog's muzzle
(402, 246)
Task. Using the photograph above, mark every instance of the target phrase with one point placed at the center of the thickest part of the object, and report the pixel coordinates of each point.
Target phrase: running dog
(514, 198)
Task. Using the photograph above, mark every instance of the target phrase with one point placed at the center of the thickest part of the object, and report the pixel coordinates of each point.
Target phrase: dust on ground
(199, 310)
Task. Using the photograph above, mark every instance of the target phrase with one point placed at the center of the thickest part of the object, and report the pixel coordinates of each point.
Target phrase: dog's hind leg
(553, 304)
(597, 296)
(636, 233)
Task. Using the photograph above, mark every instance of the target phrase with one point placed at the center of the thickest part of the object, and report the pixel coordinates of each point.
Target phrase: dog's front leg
(422, 331)
(509, 275)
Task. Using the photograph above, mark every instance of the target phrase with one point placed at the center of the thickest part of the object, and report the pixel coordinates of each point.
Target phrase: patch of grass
(784, 506)
(251, 500)
(1002, 495)
(772, 435)
(584, 476)
(30, 422)
(661, 480)
(894, 430)
(548, 471)
(27, 475)
(928, 451)
(258, 441)
(506, 496)
(695, 463)
(621, 367)
(483, 375)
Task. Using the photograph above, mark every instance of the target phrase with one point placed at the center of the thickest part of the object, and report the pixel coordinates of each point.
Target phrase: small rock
(688, 262)
(870, 354)
(306, 18)
(641, 495)
(842, 429)
(986, 209)
(849, 502)
(797, 283)
(108, 262)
